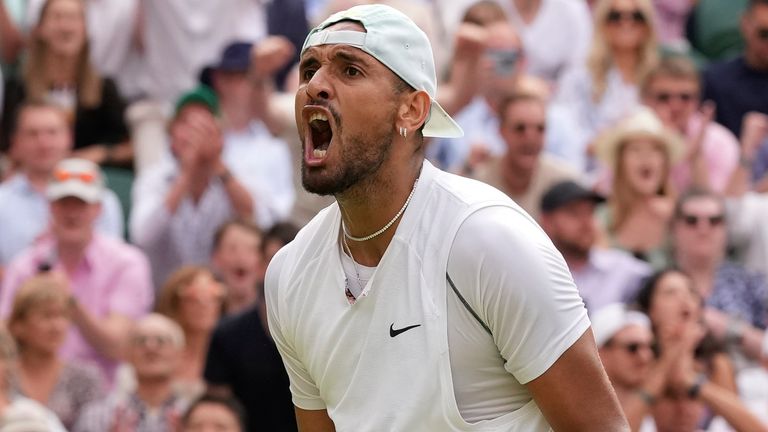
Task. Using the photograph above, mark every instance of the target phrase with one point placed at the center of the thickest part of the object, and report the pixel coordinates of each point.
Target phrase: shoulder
(233, 325)
(118, 250)
(724, 68)
(468, 191)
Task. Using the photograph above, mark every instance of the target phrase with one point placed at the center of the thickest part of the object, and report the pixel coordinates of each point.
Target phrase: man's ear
(414, 110)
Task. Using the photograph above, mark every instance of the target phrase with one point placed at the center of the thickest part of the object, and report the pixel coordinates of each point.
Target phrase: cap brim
(88, 194)
(440, 124)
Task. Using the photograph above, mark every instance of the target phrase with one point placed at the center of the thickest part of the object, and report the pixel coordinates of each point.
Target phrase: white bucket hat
(612, 318)
(397, 42)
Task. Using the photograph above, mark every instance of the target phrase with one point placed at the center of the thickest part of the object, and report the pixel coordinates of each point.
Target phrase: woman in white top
(624, 49)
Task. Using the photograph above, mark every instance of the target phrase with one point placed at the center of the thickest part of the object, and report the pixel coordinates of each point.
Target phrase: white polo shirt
(371, 371)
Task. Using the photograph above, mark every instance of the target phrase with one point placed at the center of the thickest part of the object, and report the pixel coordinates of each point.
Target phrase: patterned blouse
(741, 293)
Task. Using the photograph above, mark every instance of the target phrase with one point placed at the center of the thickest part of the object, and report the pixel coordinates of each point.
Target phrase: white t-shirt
(504, 266)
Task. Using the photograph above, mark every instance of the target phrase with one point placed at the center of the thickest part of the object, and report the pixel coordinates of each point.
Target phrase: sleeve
(111, 219)
(744, 215)
(304, 391)
(216, 361)
(520, 286)
(149, 217)
(132, 292)
(722, 154)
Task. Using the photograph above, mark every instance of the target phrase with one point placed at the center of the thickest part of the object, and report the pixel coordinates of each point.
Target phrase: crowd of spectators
(149, 168)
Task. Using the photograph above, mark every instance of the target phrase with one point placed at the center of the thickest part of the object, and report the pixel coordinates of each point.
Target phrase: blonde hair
(600, 58)
(168, 300)
(35, 291)
(88, 82)
(623, 195)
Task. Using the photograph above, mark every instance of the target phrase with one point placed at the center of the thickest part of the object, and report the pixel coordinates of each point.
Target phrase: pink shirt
(112, 278)
(721, 154)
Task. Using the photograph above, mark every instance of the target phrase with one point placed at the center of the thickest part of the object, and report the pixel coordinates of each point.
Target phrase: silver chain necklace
(354, 264)
(347, 235)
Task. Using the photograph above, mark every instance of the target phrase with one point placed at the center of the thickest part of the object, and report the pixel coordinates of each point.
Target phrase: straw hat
(643, 123)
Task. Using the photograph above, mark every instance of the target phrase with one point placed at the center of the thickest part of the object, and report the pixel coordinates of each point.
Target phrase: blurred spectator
(195, 300)
(214, 413)
(737, 299)
(57, 69)
(39, 322)
(41, 138)
(237, 259)
(624, 49)
(671, 16)
(746, 208)
(625, 340)
(713, 29)
(179, 203)
(523, 172)
(740, 85)
(672, 89)
(244, 91)
(555, 34)
(640, 152)
(154, 351)
(109, 280)
(603, 275)
(11, 36)
(19, 413)
(253, 372)
(495, 73)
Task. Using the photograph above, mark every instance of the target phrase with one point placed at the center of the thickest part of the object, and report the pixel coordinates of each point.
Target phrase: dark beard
(361, 157)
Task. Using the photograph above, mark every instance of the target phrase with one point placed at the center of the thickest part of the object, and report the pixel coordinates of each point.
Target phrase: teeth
(318, 116)
(319, 153)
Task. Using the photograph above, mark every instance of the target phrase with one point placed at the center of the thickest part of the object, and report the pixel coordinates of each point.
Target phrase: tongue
(321, 135)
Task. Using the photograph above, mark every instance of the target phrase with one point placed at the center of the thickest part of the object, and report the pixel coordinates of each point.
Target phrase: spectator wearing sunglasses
(740, 85)
(624, 49)
(523, 172)
(735, 298)
(672, 89)
(109, 281)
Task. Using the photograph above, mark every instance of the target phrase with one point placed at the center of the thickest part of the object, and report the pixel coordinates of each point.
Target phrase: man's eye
(352, 71)
(308, 74)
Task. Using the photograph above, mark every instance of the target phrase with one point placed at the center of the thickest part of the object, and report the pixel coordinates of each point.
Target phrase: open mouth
(318, 135)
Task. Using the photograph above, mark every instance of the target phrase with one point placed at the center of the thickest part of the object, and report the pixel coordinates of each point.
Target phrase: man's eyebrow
(350, 56)
(309, 61)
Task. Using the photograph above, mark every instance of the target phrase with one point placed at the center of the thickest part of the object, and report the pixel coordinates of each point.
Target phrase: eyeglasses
(615, 16)
(154, 340)
(64, 175)
(762, 34)
(631, 347)
(666, 97)
(521, 128)
(693, 220)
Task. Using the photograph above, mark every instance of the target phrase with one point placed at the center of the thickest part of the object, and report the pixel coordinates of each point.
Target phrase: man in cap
(603, 275)
(109, 280)
(419, 300)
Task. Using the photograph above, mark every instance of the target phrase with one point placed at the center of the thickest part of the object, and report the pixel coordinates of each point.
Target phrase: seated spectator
(209, 412)
(39, 322)
(229, 366)
(605, 89)
(19, 413)
(237, 259)
(179, 203)
(640, 152)
(40, 140)
(250, 150)
(523, 172)
(736, 299)
(672, 89)
(603, 275)
(58, 70)
(713, 29)
(109, 280)
(154, 351)
(555, 34)
(740, 85)
(195, 300)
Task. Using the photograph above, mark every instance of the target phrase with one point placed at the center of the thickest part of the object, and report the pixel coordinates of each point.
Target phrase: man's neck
(527, 9)
(38, 179)
(698, 266)
(575, 261)
(516, 178)
(236, 118)
(755, 63)
(154, 392)
(70, 255)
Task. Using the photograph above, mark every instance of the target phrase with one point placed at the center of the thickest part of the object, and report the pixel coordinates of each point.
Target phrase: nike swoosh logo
(393, 332)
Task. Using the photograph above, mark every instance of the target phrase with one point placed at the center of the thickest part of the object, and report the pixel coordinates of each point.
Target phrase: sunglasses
(615, 16)
(521, 128)
(693, 220)
(64, 175)
(154, 340)
(632, 347)
(666, 97)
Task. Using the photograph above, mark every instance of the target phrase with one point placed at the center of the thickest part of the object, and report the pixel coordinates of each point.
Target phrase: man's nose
(319, 86)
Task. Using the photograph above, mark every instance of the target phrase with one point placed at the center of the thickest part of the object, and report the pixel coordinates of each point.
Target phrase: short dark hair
(483, 13)
(695, 193)
(751, 4)
(247, 225)
(33, 104)
(672, 66)
(283, 232)
(230, 403)
(514, 99)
